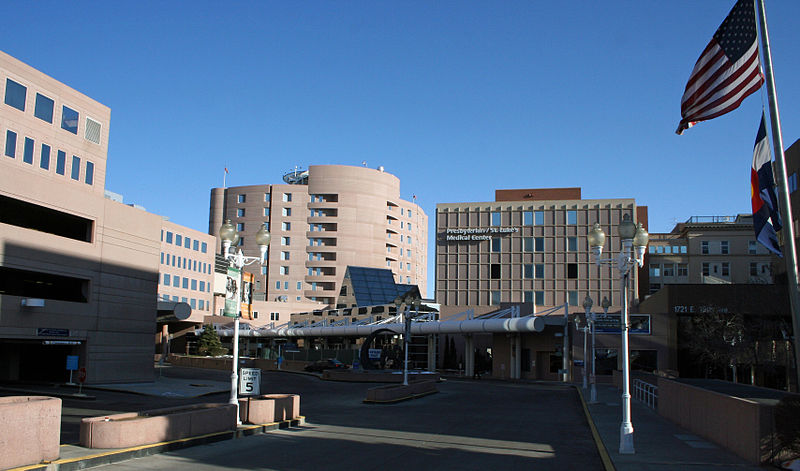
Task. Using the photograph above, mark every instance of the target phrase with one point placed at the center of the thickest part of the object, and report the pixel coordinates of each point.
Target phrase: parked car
(329, 364)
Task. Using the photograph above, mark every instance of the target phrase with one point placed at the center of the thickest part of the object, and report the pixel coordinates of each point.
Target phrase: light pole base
(626, 439)
(593, 394)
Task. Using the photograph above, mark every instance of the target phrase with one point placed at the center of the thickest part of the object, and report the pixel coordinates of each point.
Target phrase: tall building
(186, 268)
(704, 250)
(527, 246)
(322, 220)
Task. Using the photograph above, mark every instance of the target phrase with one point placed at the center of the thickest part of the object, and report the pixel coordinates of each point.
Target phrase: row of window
(199, 304)
(183, 241)
(177, 281)
(535, 218)
(669, 269)
(45, 153)
(407, 239)
(186, 263)
(406, 225)
(667, 249)
(44, 108)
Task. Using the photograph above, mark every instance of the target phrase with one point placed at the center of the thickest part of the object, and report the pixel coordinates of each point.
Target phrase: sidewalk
(660, 444)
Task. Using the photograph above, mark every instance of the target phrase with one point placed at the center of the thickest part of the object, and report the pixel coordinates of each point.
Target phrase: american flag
(728, 69)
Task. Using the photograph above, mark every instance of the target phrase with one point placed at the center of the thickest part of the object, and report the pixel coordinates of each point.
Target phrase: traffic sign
(249, 381)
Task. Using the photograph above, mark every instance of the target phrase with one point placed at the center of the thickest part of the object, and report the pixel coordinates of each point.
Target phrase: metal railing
(646, 393)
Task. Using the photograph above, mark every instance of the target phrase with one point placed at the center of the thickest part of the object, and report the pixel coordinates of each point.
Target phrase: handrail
(646, 393)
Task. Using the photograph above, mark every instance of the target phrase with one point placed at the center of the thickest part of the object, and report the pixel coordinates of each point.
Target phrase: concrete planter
(154, 426)
(30, 430)
(399, 392)
(269, 408)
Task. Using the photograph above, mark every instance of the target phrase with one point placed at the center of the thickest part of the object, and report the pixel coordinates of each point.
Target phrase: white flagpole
(789, 251)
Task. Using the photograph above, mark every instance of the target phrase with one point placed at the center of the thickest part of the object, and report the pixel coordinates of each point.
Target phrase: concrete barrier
(30, 430)
(269, 408)
(399, 392)
(158, 425)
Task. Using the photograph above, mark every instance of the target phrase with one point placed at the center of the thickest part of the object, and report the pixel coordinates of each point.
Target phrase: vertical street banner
(247, 295)
(232, 285)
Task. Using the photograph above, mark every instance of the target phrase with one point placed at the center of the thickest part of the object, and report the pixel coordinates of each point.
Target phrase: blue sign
(72, 362)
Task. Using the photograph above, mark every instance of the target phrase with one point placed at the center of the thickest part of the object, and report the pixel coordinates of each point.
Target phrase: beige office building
(323, 220)
(527, 246)
(186, 268)
(78, 272)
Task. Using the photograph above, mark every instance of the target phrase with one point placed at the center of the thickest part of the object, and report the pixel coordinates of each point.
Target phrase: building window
(27, 151)
(683, 269)
(539, 244)
(752, 247)
(572, 270)
(285, 255)
(539, 270)
(286, 240)
(263, 270)
(669, 269)
(166, 279)
(538, 298)
(753, 269)
(527, 271)
(495, 298)
(527, 218)
(527, 244)
(497, 244)
(572, 244)
(178, 240)
(654, 287)
(266, 197)
(706, 271)
(196, 245)
(538, 218)
(204, 248)
(76, 167)
(15, 94)
(792, 182)
(43, 109)
(723, 247)
(169, 237)
(286, 226)
(69, 119)
(89, 177)
(241, 242)
(194, 285)
(726, 269)
(495, 271)
(704, 247)
(241, 198)
(287, 197)
(496, 218)
(240, 212)
(266, 212)
(61, 162)
(572, 217)
(44, 157)
(287, 211)
(176, 281)
(655, 270)
(572, 298)
(284, 270)
(11, 144)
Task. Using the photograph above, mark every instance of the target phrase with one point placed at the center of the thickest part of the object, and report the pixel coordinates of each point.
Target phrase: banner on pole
(232, 285)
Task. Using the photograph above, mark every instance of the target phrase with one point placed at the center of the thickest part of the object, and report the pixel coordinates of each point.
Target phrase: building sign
(699, 309)
(610, 324)
(232, 301)
(48, 332)
(473, 234)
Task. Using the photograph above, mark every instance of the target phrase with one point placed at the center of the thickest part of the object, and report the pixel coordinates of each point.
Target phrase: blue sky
(456, 98)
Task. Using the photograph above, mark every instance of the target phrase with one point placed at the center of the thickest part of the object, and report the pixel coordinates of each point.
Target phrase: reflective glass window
(43, 108)
(61, 162)
(44, 157)
(527, 218)
(15, 94)
(69, 119)
(89, 177)
(538, 217)
(76, 167)
(27, 151)
(11, 144)
(495, 218)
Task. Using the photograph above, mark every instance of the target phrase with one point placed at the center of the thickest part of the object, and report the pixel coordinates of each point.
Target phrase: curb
(399, 399)
(124, 454)
(601, 448)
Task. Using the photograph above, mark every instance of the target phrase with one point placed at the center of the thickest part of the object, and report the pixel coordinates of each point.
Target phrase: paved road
(468, 425)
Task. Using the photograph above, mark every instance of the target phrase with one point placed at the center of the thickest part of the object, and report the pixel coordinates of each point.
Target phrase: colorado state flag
(762, 194)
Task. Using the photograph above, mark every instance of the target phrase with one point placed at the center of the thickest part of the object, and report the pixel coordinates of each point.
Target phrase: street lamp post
(593, 379)
(399, 303)
(587, 306)
(229, 236)
(634, 242)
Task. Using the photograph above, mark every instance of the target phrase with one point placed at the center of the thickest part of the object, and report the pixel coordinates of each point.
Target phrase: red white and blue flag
(763, 195)
(727, 71)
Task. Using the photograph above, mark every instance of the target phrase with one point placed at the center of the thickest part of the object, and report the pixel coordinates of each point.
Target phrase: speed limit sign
(249, 381)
